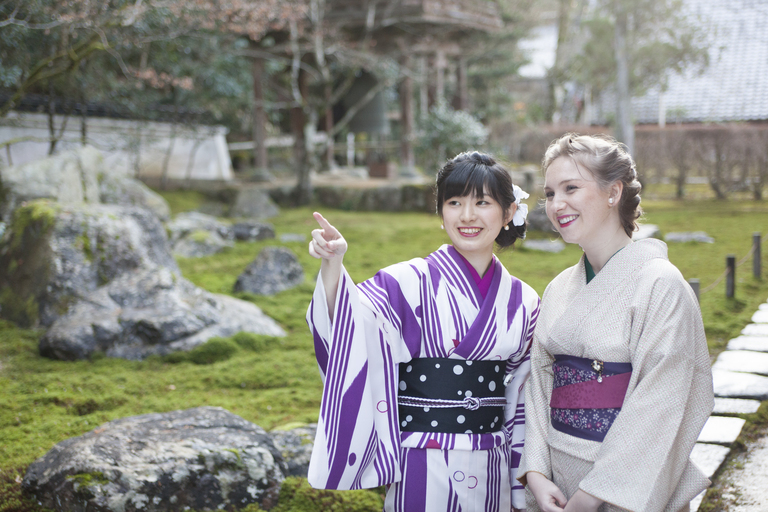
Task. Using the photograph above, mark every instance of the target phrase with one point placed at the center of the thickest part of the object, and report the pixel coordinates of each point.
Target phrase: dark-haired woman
(620, 375)
(424, 363)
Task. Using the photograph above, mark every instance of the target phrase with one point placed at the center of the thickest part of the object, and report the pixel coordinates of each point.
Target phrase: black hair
(472, 174)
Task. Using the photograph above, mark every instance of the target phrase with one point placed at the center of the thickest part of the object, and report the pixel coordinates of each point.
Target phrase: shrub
(213, 351)
(254, 342)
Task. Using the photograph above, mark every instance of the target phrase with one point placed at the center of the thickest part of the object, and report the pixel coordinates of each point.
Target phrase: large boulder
(195, 234)
(275, 269)
(295, 445)
(202, 459)
(102, 278)
(75, 176)
(68, 178)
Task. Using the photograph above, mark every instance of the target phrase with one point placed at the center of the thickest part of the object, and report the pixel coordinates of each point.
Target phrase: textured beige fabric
(637, 309)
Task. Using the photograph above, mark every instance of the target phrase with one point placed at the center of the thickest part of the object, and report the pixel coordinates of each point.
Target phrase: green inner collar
(589, 269)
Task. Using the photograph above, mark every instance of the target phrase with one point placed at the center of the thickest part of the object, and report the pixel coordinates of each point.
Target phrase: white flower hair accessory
(522, 209)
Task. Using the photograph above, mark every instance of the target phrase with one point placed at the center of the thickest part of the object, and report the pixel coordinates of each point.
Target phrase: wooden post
(695, 286)
(259, 116)
(756, 261)
(730, 278)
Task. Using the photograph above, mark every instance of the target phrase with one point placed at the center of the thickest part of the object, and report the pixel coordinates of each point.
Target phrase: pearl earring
(610, 201)
(442, 227)
(506, 228)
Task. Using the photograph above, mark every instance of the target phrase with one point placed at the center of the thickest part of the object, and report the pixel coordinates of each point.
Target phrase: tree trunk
(301, 156)
(259, 116)
(407, 159)
(625, 130)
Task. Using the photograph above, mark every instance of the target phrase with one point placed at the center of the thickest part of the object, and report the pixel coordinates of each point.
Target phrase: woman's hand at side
(548, 496)
(328, 244)
(583, 502)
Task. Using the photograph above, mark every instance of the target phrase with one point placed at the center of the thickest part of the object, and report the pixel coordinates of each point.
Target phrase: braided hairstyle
(609, 162)
(473, 174)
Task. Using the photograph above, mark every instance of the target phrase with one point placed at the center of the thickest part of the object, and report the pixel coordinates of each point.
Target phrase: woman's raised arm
(328, 244)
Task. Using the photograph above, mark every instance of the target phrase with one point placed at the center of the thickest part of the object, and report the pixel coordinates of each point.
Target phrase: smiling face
(577, 205)
(473, 223)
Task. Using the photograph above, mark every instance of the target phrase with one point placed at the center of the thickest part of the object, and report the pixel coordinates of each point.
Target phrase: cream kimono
(638, 309)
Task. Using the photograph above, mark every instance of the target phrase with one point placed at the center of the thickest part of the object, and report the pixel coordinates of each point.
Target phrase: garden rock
(202, 459)
(115, 189)
(646, 231)
(195, 234)
(101, 278)
(295, 446)
(253, 203)
(275, 269)
(250, 231)
(538, 220)
(553, 246)
(693, 236)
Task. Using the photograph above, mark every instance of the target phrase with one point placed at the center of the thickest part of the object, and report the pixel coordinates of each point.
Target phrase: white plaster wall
(135, 148)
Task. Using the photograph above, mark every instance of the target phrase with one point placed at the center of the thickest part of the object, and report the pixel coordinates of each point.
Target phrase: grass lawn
(276, 383)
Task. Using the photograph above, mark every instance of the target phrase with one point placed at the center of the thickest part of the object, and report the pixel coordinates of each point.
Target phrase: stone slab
(742, 361)
(696, 502)
(755, 330)
(721, 430)
(760, 316)
(709, 457)
(735, 406)
(730, 384)
(754, 343)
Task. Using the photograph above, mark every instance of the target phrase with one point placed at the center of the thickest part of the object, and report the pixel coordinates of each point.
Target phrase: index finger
(322, 221)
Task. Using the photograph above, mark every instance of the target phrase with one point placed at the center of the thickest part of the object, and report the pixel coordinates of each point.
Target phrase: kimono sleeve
(538, 390)
(357, 442)
(645, 453)
(519, 367)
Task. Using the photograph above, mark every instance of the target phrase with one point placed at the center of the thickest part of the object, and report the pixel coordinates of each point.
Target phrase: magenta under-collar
(483, 283)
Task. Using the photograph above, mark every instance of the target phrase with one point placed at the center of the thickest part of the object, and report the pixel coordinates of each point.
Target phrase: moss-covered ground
(274, 381)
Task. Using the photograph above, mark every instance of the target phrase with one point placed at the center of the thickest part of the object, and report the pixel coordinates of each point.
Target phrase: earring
(506, 228)
(442, 227)
(610, 201)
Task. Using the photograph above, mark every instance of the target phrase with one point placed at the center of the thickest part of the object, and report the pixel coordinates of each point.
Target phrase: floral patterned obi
(587, 395)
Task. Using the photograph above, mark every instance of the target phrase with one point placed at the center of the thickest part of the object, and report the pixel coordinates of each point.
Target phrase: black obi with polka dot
(451, 396)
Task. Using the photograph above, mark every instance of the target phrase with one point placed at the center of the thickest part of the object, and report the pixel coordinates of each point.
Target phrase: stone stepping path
(754, 343)
(740, 378)
(721, 430)
(735, 406)
(743, 361)
(755, 330)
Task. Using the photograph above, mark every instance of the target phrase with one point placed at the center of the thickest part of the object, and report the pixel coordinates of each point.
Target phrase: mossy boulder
(204, 458)
(101, 279)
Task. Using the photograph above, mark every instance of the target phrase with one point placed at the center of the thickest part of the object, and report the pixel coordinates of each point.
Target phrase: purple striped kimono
(428, 307)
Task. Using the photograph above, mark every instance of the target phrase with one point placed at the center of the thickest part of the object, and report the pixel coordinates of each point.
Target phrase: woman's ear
(510, 213)
(615, 192)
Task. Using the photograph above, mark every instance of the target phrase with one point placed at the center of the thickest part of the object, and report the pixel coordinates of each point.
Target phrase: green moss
(200, 236)
(36, 216)
(24, 312)
(88, 479)
(84, 241)
(212, 351)
(255, 342)
(296, 495)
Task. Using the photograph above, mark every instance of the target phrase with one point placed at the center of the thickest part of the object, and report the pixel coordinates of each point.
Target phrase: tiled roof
(735, 85)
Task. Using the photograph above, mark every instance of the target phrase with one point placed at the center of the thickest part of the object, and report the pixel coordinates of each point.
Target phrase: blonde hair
(609, 162)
